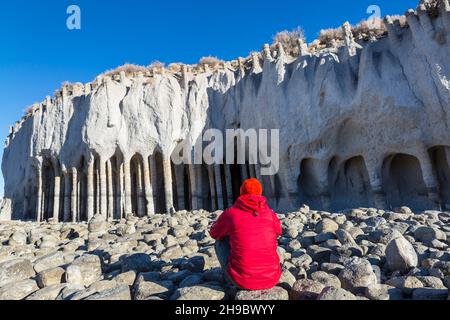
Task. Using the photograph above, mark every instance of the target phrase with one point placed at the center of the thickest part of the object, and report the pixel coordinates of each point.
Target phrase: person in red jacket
(247, 243)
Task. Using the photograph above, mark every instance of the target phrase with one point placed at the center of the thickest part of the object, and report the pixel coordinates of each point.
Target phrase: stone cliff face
(361, 124)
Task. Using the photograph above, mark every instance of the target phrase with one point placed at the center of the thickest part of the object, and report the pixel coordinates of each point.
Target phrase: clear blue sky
(38, 52)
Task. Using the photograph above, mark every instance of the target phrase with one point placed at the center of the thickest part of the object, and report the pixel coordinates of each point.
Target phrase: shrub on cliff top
(212, 62)
(175, 67)
(289, 40)
(127, 68)
(369, 29)
(365, 30)
(156, 66)
(327, 35)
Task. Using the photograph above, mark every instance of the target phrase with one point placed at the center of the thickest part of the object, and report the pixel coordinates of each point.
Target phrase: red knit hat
(252, 186)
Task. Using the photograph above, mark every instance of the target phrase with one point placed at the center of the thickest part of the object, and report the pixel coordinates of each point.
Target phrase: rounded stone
(306, 290)
(335, 294)
(400, 255)
(326, 225)
(275, 293)
(357, 273)
(327, 279)
(383, 292)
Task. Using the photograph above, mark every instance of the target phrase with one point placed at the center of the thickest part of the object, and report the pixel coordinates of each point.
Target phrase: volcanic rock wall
(361, 124)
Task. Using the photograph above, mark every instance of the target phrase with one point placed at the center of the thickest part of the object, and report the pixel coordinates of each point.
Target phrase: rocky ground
(359, 254)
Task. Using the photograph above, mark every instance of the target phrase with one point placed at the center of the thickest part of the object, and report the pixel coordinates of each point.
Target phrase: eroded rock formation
(361, 124)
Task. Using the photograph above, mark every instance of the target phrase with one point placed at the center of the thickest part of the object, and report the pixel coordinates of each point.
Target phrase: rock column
(103, 188)
(110, 181)
(430, 180)
(374, 169)
(74, 196)
(119, 184)
(447, 155)
(139, 190)
(167, 168)
(127, 183)
(67, 182)
(90, 191)
(153, 174)
(150, 207)
(258, 172)
(97, 189)
(56, 197)
(321, 172)
(39, 195)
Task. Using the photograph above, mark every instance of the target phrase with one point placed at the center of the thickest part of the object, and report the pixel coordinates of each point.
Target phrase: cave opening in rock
(178, 186)
(119, 185)
(236, 179)
(223, 178)
(96, 180)
(112, 187)
(235, 173)
(349, 184)
(309, 187)
(403, 182)
(159, 192)
(61, 198)
(134, 171)
(82, 190)
(48, 187)
(440, 159)
(187, 188)
(205, 184)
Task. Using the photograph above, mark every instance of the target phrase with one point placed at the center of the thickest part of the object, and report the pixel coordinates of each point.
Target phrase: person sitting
(246, 240)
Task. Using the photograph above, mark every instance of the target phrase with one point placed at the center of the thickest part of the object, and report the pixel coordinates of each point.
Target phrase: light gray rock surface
(357, 273)
(276, 293)
(400, 255)
(358, 127)
(15, 270)
(331, 293)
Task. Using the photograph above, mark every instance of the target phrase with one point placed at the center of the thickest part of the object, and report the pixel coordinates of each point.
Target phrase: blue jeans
(223, 254)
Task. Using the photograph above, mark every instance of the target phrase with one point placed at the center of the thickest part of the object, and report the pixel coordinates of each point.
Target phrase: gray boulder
(400, 255)
(383, 292)
(428, 234)
(306, 289)
(357, 274)
(15, 270)
(331, 293)
(138, 262)
(199, 292)
(87, 269)
(276, 293)
(327, 279)
(18, 290)
(117, 294)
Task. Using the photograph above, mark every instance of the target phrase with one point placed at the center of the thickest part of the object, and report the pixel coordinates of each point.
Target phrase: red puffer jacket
(253, 229)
